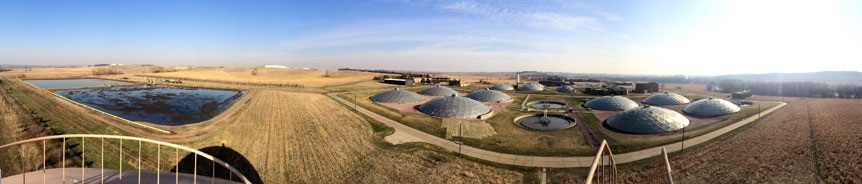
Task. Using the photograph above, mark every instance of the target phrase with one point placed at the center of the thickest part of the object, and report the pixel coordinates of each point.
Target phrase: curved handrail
(177, 146)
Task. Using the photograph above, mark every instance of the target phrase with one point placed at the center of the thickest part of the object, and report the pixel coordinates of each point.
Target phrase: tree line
(790, 89)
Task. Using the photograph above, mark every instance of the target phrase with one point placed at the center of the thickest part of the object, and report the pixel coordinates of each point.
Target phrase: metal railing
(140, 141)
(662, 173)
(604, 167)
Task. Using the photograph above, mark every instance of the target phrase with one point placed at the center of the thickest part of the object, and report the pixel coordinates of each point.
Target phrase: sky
(665, 37)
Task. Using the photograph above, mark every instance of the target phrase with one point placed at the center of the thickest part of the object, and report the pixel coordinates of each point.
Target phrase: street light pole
(682, 150)
(460, 137)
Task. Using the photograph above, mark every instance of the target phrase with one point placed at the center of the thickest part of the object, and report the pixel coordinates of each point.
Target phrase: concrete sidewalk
(404, 134)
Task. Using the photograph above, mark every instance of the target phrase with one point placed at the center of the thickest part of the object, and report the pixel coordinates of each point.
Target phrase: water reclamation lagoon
(163, 105)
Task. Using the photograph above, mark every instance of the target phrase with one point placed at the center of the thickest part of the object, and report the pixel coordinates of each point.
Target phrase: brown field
(309, 138)
(285, 136)
(774, 150)
(71, 72)
(837, 124)
(48, 72)
(307, 78)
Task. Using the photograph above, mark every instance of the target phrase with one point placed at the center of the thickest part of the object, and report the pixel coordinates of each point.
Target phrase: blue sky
(624, 37)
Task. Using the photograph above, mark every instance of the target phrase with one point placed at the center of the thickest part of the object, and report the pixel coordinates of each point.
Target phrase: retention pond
(163, 105)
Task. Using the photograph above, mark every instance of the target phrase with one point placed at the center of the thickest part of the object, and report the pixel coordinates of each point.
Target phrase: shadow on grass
(226, 154)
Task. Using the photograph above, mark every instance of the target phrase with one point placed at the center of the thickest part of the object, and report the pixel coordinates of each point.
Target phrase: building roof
(503, 87)
(438, 91)
(488, 95)
(454, 107)
(396, 96)
(531, 87)
(612, 103)
(711, 107)
(666, 99)
(565, 89)
(647, 120)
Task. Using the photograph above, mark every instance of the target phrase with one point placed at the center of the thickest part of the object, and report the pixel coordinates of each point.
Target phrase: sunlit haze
(616, 37)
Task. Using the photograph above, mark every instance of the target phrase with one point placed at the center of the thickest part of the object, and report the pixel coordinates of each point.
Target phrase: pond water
(539, 122)
(547, 105)
(161, 105)
(72, 83)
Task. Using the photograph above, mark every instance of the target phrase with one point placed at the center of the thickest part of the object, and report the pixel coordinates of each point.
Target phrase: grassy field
(836, 124)
(306, 78)
(509, 138)
(569, 142)
(632, 142)
(278, 136)
(309, 138)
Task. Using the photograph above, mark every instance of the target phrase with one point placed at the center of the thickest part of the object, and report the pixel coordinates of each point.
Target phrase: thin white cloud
(517, 13)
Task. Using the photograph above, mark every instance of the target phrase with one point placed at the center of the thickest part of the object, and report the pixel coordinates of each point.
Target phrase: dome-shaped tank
(711, 107)
(647, 120)
(488, 95)
(396, 96)
(666, 99)
(438, 91)
(611, 103)
(454, 107)
(531, 87)
(503, 87)
(566, 89)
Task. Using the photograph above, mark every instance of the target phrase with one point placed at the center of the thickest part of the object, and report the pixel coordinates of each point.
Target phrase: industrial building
(611, 103)
(455, 107)
(740, 95)
(503, 87)
(607, 91)
(531, 87)
(666, 99)
(711, 107)
(396, 96)
(438, 91)
(647, 120)
(488, 95)
(566, 89)
(646, 87)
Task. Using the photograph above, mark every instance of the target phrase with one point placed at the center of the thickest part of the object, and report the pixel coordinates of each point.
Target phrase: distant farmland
(306, 78)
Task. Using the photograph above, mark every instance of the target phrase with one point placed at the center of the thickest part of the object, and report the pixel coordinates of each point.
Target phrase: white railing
(663, 172)
(603, 170)
(102, 138)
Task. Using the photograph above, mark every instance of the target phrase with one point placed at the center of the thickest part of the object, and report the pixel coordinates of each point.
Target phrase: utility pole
(682, 150)
(460, 137)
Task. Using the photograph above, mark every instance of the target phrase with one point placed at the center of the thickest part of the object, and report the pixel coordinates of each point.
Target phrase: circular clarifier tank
(544, 123)
(547, 105)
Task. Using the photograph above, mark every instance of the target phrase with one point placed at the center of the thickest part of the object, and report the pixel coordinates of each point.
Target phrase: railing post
(158, 163)
(83, 154)
(139, 162)
(21, 154)
(44, 166)
(667, 166)
(195, 177)
(121, 161)
(64, 161)
(102, 176)
(177, 173)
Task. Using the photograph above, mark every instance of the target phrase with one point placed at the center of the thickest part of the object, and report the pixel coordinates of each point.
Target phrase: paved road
(404, 134)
